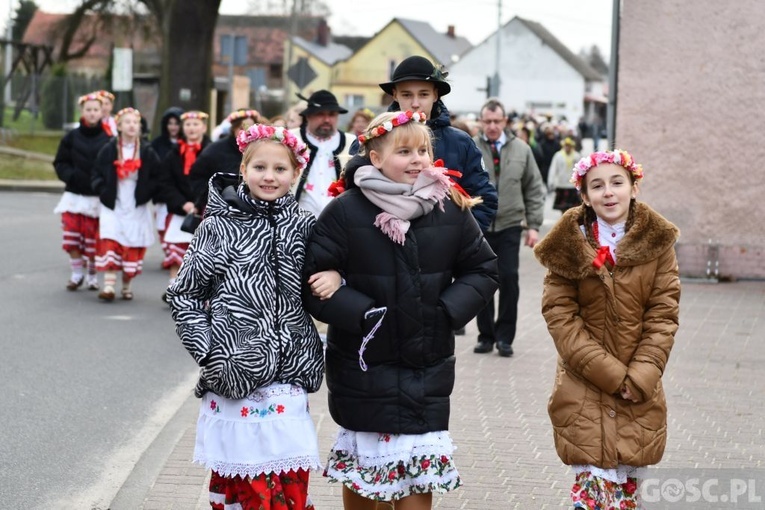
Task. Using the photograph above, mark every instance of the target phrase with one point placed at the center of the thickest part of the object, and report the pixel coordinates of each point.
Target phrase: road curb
(25, 185)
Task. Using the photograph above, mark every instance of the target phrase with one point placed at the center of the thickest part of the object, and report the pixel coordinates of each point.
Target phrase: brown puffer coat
(610, 329)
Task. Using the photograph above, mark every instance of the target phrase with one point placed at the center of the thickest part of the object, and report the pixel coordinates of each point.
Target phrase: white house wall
(530, 73)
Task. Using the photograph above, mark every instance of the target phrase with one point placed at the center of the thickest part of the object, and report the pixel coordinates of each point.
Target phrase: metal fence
(47, 103)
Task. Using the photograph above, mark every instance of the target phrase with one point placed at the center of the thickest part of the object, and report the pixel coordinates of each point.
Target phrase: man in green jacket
(514, 172)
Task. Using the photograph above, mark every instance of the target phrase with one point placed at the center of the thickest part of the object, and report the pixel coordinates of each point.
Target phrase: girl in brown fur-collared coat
(611, 301)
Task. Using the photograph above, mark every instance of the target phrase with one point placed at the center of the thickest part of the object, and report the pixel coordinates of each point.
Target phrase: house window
(226, 48)
(391, 68)
(275, 71)
(354, 100)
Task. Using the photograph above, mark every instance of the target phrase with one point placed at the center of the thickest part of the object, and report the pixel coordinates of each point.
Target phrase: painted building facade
(689, 99)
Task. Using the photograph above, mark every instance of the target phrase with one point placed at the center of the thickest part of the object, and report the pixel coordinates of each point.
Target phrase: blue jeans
(506, 244)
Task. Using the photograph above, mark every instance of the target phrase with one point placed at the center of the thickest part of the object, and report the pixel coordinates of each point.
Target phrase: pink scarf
(402, 202)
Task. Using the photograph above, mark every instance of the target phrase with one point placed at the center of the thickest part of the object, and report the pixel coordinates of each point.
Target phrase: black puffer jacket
(76, 155)
(436, 282)
(104, 177)
(174, 185)
(237, 300)
(222, 156)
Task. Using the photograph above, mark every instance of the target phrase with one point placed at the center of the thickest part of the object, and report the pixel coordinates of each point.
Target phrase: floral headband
(89, 97)
(119, 114)
(277, 134)
(386, 127)
(617, 157)
(194, 114)
(243, 114)
(105, 94)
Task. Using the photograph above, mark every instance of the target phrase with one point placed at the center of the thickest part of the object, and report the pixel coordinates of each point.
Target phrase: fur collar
(565, 251)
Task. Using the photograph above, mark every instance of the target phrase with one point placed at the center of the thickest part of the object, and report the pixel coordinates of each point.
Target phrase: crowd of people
(396, 232)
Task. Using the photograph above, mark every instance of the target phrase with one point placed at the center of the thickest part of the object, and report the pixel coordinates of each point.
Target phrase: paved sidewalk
(714, 384)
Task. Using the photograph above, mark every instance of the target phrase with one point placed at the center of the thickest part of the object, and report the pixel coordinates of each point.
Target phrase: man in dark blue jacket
(418, 85)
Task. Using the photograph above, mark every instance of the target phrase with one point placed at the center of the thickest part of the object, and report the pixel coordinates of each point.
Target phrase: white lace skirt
(270, 431)
(387, 467)
(78, 204)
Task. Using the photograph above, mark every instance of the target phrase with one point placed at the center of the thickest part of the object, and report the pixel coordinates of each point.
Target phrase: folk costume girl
(611, 300)
(175, 187)
(416, 268)
(125, 177)
(238, 311)
(79, 203)
(170, 133)
(108, 122)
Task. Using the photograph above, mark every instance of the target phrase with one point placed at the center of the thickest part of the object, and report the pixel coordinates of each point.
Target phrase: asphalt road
(86, 385)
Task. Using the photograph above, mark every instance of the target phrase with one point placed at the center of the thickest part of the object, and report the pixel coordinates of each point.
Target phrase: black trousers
(506, 244)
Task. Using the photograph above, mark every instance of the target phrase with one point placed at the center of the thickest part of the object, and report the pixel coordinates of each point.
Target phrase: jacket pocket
(567, 400)
(651, 414)
(443, 336)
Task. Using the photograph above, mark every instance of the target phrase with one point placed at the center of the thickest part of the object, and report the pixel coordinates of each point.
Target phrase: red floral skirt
(283, 491)
(596, 493)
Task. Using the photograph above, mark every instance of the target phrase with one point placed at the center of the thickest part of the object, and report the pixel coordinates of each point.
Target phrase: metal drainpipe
(613, 73)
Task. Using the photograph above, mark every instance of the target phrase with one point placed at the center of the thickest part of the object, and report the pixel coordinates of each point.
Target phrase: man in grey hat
(328, 147)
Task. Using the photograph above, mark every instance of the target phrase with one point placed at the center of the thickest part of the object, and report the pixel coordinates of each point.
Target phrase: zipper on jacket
(275, 259)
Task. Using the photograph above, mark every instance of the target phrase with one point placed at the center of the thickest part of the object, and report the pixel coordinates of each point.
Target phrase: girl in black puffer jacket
(416, 268)
(79, 204)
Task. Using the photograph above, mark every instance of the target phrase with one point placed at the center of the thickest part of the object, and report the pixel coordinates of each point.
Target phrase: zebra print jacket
(237, 303)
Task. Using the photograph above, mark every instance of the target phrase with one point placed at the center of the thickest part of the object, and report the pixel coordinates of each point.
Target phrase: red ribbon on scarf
(106, 127)
(452, 173)
(126, 168)
(189, 153)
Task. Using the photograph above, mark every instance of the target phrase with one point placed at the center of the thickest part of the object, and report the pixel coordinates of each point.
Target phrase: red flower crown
(119, 114)
(387, 126)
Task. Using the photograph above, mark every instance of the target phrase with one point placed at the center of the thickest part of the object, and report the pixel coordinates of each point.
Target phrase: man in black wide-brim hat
(328, 147)
(418, 85)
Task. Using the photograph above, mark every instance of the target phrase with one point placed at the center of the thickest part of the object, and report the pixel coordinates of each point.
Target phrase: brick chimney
(322, 33)
(450, 31)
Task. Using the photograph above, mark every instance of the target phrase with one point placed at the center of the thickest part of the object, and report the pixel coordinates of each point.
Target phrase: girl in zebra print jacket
(238, 311)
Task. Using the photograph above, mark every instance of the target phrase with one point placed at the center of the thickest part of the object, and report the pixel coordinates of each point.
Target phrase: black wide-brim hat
(321, 101)
(419, 69)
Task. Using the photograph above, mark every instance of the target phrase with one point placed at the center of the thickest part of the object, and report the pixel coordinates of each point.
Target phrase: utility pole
(8, 55)
(613, 69)
(495, 80)
(292, 33)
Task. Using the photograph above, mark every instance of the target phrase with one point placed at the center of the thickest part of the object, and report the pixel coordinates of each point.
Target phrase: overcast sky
(578, 24)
